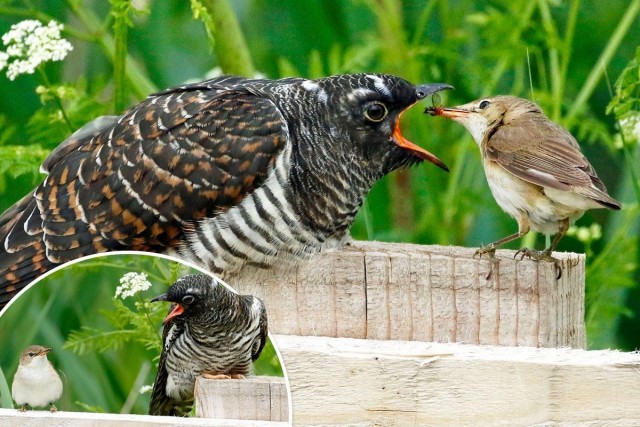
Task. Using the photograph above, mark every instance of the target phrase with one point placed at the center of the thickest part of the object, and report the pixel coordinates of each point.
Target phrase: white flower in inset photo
(30, 44)
(132, 283)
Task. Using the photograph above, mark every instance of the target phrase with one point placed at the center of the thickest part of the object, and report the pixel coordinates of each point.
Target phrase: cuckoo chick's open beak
(422, 91)
(415, 150)
(177, 308)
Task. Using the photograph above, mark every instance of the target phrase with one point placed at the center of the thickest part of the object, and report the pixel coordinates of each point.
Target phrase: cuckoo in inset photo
(210, 331)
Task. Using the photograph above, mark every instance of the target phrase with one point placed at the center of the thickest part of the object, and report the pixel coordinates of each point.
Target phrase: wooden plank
(338, 381)
(428, 293)
(254, 398)
(13, 418)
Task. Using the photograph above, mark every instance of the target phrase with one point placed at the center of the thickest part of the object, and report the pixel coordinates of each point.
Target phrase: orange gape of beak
(418, 151)
(177, 311)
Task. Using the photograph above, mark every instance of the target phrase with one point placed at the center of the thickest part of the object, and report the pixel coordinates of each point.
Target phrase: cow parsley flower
(30, 44)
(131, 284)
(586, 234)
(630, 127)
(145, 389)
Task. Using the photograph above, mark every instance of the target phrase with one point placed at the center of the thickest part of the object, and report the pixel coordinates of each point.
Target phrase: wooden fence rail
(411, 292)
(341, 381)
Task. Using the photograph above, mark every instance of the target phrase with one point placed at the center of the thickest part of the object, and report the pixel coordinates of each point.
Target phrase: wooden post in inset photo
(257, 398)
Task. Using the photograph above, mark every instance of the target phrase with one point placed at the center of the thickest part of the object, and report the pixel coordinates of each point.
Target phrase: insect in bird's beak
(446, 112)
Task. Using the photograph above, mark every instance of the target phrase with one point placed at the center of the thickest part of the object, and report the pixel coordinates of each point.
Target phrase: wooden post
(338, 381)
(254, 398)
(411, 292)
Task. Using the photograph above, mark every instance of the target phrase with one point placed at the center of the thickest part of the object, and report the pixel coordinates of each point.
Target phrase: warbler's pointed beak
(44, 351)
(451, 113)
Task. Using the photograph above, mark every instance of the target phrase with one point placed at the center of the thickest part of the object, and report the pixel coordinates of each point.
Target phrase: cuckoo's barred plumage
(224, 172)
(209, 330)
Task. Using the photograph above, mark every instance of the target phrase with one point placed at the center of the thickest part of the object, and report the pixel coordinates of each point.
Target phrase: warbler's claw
(541, 256)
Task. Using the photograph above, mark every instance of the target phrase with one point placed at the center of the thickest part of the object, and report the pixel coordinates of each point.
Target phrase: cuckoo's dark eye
(484, 104)
(375, 112)
(188, 299)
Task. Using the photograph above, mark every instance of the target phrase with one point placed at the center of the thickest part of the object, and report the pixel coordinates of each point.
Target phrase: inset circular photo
(136, 333)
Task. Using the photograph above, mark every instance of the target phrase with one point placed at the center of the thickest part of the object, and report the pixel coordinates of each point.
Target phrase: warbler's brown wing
(546, 155)
(135, 182)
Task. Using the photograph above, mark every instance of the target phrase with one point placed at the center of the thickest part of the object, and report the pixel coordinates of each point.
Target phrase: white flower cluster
(131, 284)
(29, 44)
(145, 389)
(630, 125)
(586, 234)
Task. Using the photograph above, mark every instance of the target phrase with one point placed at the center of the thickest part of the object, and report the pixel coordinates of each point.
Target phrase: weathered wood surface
(13, 418)
(254, 398)
(426, 293)
(340, 381)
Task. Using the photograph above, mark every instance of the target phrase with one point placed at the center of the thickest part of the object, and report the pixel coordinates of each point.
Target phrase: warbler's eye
(31, 354)
(188, 299)
(375, 112)
(484, 104)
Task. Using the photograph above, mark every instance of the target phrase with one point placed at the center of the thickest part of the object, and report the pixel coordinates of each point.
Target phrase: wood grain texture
(13, 418)
(253, 398)
(426, 293)
(341, 381)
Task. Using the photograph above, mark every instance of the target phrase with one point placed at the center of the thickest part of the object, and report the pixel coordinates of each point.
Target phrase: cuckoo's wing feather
(133, 183)
(543, 160)
(160, 403)
(261, 341)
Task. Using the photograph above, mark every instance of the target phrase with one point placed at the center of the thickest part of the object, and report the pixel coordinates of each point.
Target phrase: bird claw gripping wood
(491, 251)
(541, 256)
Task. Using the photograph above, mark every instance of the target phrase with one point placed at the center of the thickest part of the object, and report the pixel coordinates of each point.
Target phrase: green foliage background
(567, 55)
(103, 356)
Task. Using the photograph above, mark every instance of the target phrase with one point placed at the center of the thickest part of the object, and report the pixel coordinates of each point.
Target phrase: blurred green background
(566, 55)
(103, 357)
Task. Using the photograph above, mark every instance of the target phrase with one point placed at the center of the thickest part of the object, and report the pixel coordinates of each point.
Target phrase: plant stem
(230, 47)
(628, 158)
(628, 18)
(57, 99)
(554, 61)
(120, 29)
(140, 83)
(148, 316)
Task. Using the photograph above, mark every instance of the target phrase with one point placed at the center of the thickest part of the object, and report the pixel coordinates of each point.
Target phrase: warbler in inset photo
(36, 382)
